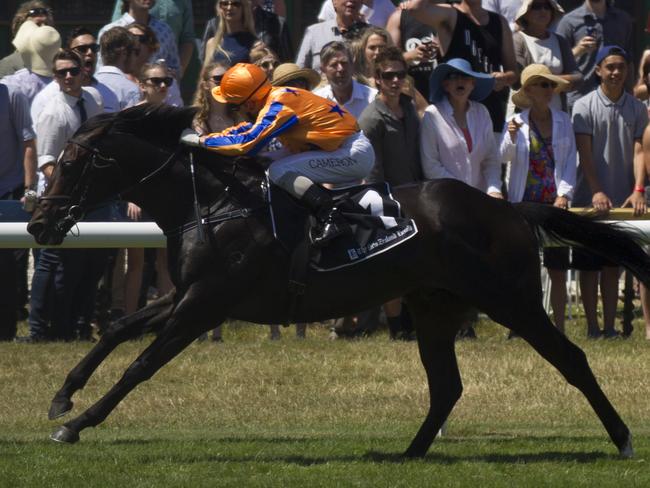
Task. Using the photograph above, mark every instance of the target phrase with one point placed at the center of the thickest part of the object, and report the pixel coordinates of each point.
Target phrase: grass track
(316, 413)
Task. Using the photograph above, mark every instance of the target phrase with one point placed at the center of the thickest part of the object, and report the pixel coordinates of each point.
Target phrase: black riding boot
(331, 222)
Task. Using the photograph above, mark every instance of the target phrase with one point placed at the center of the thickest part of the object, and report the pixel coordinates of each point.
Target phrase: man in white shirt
(336, 65)
(375, 12)
(61, 272)
(118, 49)
(347, 25)
(64, 112)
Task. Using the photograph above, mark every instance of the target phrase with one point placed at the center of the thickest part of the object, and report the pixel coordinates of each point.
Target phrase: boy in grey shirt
(609, 125)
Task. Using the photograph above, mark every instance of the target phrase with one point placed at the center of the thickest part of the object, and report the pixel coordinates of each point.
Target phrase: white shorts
(348, 164)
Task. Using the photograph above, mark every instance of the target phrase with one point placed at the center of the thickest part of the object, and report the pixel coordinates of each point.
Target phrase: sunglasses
(84, 48)
(62, 73)
(217, 79)
(354, 31)
(142, 38)
(457, 75)
(540, 6)
(391, 75)
(37, 12)
(269, 64)
(546, 85)
(155, 80)
(225, 4)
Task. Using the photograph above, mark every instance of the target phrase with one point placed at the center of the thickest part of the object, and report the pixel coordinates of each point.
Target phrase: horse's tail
(614, 242)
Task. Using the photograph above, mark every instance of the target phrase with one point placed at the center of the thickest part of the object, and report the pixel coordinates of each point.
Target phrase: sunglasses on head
(391, 75)
(37, 12)
(83, 48)
(62, 73)
(540, 6)
(546, 84)
(155, 80)
(229, 3)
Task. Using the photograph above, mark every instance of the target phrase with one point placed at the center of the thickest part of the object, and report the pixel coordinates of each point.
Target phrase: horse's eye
(66, 166)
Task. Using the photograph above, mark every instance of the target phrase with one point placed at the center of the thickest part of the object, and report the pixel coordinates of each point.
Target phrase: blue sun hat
(484, 82)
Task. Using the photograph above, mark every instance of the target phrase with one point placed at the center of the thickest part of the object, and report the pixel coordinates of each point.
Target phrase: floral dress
(540, 182)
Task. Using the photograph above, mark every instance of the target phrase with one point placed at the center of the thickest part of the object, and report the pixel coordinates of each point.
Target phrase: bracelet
(640, 189)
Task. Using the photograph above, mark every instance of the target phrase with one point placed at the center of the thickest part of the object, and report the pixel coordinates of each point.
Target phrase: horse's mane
(160, 124)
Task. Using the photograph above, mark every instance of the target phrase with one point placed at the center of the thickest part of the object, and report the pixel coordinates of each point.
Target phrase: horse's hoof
(64, 435)
(627, 451)
(59, 408)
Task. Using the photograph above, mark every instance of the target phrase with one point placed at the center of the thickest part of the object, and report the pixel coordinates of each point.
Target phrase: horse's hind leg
(437, 318)
(149, 318)
(537, 329)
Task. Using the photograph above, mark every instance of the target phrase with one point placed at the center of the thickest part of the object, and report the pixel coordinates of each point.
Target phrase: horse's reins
(76, 212)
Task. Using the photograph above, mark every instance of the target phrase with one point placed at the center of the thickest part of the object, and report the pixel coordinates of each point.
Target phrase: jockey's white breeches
(348, 164)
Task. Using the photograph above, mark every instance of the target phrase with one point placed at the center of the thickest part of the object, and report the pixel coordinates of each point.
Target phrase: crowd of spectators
(517, 98)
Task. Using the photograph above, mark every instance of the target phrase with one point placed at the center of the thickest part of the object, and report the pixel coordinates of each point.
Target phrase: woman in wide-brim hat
(457, 138)
(539, 147)
(290, 74)
(535, 43)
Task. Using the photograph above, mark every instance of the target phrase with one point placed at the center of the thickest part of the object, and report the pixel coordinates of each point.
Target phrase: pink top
(468, 138)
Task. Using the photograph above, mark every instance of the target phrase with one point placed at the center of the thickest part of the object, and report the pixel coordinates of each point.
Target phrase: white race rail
(147, 234)
(89, 235)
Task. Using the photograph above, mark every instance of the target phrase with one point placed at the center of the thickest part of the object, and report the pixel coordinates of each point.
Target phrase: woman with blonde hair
(212, 116)
(235, 34)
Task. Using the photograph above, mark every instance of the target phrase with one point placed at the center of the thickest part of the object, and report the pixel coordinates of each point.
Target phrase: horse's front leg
(150, 318)
(196, 313)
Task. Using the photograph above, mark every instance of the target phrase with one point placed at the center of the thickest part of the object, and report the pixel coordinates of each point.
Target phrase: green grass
(251, 412)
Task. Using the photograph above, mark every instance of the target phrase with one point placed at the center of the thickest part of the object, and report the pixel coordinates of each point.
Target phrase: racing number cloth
(301, 121)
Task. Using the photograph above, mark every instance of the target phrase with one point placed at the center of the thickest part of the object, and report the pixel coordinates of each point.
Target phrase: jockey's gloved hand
(190, 138)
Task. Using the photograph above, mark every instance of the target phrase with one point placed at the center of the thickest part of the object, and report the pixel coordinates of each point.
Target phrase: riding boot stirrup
(332, 226)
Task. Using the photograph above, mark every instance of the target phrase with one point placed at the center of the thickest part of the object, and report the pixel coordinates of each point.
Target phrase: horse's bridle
(74, 212)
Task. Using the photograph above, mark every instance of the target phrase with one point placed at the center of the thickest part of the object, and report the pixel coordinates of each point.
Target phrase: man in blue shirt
(17, 176)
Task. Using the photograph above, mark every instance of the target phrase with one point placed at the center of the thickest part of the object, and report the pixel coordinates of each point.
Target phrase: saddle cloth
(374, 216)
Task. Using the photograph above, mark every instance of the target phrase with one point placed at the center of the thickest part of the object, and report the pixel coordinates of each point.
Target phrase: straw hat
(484, 82)
(530, 75)
(557, 11)
(37, 46)
(286, 72)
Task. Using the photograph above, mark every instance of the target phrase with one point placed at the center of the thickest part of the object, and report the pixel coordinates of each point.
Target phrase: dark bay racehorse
(471, 251)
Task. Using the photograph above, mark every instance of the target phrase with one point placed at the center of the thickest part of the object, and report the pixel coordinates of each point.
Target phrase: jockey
(322, 141)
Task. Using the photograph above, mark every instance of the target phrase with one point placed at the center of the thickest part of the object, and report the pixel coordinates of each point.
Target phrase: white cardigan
(445, 153)
(517, 155)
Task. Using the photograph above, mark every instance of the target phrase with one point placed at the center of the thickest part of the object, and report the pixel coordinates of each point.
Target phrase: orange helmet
(242, 83)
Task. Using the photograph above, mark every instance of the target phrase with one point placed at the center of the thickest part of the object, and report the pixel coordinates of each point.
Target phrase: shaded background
(94, 14)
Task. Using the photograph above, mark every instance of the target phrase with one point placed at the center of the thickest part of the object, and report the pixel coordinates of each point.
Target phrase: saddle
(374, 218)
